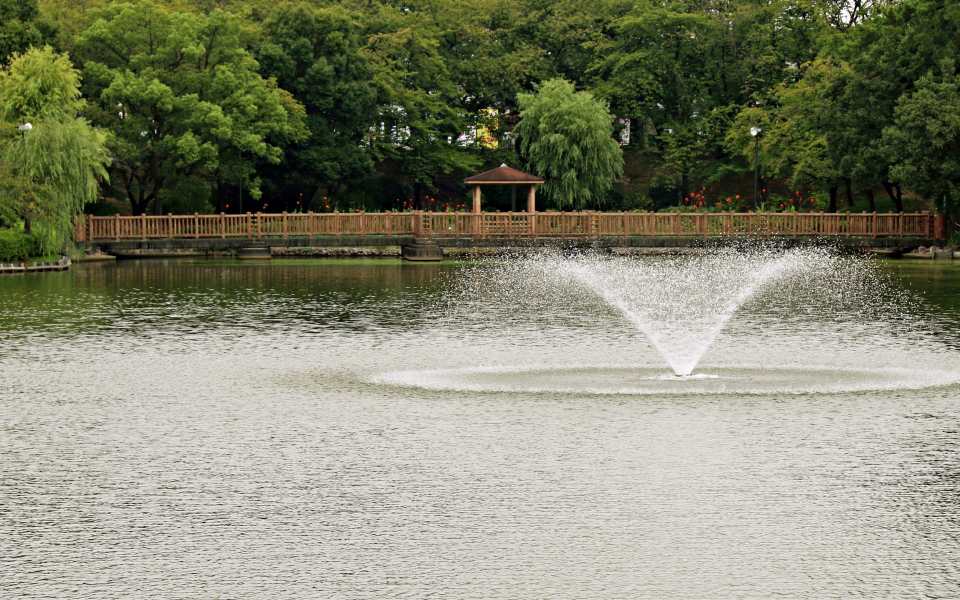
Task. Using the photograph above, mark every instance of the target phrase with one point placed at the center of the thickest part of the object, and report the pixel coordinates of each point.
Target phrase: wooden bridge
(511, 225)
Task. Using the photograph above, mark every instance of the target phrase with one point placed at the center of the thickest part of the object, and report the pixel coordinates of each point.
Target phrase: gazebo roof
(502, 174)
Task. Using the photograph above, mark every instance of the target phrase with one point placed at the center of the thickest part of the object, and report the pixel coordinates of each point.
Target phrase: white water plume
(681, 303)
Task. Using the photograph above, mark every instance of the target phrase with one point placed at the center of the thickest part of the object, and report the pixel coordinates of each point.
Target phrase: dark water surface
(355, 429)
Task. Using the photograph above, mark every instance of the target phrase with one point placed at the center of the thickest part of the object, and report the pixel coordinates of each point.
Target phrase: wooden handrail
(508, 225)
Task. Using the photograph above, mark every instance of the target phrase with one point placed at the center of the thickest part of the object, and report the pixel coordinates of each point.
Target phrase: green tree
(186, 105)
(21, 27)
(421, 116)
(681, 69)
(54, 168)
(22, 199)
(567, 137)
(887, 55)
(795, 125)
(924, 141)
(314, 53)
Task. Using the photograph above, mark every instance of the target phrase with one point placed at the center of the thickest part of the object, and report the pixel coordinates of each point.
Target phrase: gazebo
(504, 175)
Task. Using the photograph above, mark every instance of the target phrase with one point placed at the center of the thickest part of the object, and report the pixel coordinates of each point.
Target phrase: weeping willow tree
(60, 157)
(567, 137)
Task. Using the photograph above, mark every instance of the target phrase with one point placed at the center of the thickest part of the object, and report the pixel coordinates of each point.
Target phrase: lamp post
(23, 129)
(755, 132)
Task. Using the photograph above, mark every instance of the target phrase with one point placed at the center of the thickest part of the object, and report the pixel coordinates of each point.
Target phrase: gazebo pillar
(532, 198)
(476, 199)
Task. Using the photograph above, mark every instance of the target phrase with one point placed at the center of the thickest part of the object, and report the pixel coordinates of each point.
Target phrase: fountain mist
(681, 304)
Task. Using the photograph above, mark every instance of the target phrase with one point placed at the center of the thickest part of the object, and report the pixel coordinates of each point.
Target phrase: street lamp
(23, 129)
(755, 132)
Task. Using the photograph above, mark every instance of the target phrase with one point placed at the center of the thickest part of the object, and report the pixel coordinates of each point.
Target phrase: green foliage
(21, 27)
(344, 94)
(184, 100)
(793, 140)
(62, 156)
(39, 84)
(100, 208)
(683, 70)
(15, 245)
(314, 53)
(639, 202)
(22, 198)
(567, 137)
(420, 115)
(924, 141)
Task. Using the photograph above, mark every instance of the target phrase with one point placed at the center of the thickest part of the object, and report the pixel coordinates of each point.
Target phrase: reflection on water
(195, 429)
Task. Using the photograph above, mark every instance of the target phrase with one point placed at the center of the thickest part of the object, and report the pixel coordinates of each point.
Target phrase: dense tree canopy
(314, 54)
(189, 112)
(21, 27)
(567, 138)
(51, 170)
(389, 104)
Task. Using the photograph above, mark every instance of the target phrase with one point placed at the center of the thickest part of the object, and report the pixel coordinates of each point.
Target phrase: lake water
(373, 429)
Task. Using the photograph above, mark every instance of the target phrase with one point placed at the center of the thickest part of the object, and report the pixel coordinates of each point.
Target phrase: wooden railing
(508, 225)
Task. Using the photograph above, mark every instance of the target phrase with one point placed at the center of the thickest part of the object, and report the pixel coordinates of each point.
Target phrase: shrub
(639, 201)
(100, 208)
(15, 245)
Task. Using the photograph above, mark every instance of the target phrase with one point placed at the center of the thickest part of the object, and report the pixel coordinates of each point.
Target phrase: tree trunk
(416, 196)
(27, 225)
(833, 200)
(870, 199)
(684, 186)
(897, 199)
(139, 206)
(849, 195)
(221, 196)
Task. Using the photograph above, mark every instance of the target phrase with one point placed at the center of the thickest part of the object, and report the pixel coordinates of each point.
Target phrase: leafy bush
(955, 240)
(100, 208)
(639, 201)
(15, 245)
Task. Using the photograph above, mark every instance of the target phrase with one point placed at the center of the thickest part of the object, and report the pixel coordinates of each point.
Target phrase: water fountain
(817, 322)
